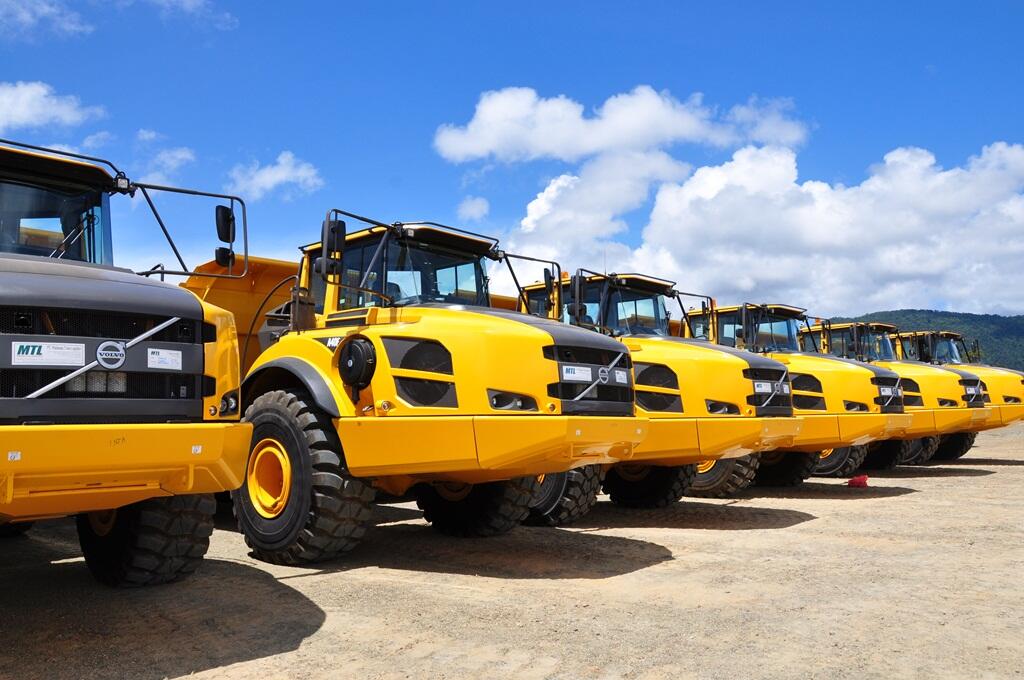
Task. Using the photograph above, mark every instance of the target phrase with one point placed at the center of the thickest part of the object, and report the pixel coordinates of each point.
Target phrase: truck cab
(710, 407)
(409, 381)
(940, 401)
(844, 403)
(119, 397)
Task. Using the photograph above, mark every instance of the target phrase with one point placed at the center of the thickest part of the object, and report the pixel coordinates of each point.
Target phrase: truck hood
(43, 282)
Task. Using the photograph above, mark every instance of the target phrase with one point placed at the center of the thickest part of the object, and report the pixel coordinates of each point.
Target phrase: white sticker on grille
(47, 354)
(577, 373)
(164, 359)
(621, 376)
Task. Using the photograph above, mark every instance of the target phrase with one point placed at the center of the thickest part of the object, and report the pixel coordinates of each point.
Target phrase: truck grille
(99, 384)
(95, 324)
(608, 399)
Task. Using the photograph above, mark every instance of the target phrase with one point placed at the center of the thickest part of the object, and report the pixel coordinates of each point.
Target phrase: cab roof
(782, 310)
(876, 325)
(427, 233)
(36, 167)
(943, 334)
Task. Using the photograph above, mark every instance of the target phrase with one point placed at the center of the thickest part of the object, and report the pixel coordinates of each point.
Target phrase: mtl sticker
(47, 354)
(164, 359)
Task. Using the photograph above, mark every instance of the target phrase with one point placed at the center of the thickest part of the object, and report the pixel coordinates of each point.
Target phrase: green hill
(1001, 337)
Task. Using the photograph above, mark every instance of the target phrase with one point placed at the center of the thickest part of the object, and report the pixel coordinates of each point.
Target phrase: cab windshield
(946, 351)
(768, 332)
(874, 345)
(411, 272)
(629, 311)
(55, 224)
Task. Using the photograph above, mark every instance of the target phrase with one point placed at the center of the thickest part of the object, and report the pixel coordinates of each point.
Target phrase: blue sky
(356, 95)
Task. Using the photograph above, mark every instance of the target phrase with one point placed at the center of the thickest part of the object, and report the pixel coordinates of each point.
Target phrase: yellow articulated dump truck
(842, 402)
(387, 369)
(940, 401)
(1003, 387)
(705, 402)
(119, 396)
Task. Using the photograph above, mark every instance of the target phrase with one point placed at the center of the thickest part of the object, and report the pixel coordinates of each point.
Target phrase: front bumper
(55, 470)
(831, 431)
(480, 448)
(929, 422)
(684, 441)
(986, 418)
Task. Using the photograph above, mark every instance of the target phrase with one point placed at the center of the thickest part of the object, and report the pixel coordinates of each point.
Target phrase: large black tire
(648, 486)
(15, 529)
(487, 509)
(841, 462)
(886, 455)
(785, 468)
(326, 511)
(725, 478)
(953, 446)
(920, 451)
(564, 497)
(155, 541)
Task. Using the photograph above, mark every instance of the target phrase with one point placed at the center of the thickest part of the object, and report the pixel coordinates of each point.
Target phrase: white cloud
(97, 140)
(33, 105)
(516, 124)
(166, 163)
(254, 181)
(199, 9)
(145, 136)
(20, 19)
(473, 208)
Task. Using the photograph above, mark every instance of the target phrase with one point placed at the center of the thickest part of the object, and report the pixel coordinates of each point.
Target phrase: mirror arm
(373, 262)
(163, 227)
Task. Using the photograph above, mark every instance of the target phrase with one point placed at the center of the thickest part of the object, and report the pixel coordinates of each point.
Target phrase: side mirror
(225, 218)
(549, 289)
(578, 308)
(332, 243)
(225, 257)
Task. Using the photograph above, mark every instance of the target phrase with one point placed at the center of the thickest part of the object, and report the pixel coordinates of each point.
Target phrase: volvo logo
(602, 375)
(111, 355)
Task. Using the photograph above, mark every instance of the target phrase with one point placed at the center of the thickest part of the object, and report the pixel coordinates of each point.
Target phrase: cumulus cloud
(33, 105)
(198, 9)
(166, 163)
(146, 136)
(97, 140)
(517, 124)
(473, 208)
(912, 234)
(289, 174)
(20, 19)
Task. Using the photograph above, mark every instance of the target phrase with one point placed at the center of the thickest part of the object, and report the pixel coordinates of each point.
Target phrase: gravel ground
(918, 575)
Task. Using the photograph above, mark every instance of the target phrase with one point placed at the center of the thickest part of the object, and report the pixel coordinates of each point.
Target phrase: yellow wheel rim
(102, 521)
(826, 453)
(269, 478)
(705, 466)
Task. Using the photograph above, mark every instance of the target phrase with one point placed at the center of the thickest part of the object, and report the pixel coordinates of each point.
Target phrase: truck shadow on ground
(400, 539)
(977, 461)
(836, 490)
(691, 513)
(929, 472)
(523, 553)
(58, 622)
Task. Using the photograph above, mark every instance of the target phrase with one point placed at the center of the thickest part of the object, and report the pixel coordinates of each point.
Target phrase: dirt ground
(918, 575)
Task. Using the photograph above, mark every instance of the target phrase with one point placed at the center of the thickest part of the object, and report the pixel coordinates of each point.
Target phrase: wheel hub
(705, 466)
(102, 521)
(825, 453)
(269, 478)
